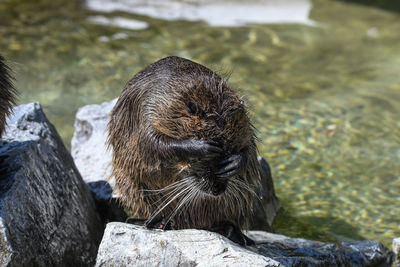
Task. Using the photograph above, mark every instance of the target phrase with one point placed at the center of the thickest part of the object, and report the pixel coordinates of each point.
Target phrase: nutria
(7, 93)
(184, 151)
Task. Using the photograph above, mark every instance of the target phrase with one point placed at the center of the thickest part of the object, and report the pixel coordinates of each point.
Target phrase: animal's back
(7, 93)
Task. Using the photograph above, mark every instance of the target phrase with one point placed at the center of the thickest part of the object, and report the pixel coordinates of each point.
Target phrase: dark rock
(48, 216)
(107, 206)
(301, 252)
(267, 206)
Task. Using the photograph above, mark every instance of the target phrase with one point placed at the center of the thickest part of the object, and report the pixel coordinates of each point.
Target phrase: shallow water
(323, 90)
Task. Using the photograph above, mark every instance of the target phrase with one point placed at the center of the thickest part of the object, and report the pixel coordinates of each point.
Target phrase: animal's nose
(218, 188)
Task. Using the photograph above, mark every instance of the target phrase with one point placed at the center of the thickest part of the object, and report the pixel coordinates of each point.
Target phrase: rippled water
(324, 91)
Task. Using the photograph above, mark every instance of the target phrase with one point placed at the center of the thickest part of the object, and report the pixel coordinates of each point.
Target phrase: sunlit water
(323, 89)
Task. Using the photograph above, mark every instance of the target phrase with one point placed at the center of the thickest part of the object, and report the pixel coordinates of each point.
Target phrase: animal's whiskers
(185, 200)
(166, 188)
(177, 190)
(189, 195)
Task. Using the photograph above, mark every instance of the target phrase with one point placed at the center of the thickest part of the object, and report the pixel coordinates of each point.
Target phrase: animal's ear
(123, 117)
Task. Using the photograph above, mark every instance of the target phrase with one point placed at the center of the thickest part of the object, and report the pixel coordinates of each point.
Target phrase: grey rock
(5, 247)
(48, 216)
(88, 145)
(93, 159)
(396, 249)
(261, 236)
(108, 207)
(302, 252)
(131, 245)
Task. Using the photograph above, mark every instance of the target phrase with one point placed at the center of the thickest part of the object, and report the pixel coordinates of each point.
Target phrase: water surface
(323, 90)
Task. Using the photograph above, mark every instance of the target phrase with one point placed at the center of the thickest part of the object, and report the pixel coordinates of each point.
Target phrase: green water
(325, 99)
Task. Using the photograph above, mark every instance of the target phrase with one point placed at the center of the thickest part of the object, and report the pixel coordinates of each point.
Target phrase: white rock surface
(6, 250)
(261, 236)
(88, 145)
(396, 249)
(131, 245)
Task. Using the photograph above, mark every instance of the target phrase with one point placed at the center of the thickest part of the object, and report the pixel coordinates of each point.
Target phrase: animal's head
(202, 107)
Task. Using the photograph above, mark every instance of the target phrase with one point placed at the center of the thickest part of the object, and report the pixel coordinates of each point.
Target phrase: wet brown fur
(7, 94)
(151, 110)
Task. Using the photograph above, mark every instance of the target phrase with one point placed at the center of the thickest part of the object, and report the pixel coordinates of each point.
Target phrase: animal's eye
(192, 108)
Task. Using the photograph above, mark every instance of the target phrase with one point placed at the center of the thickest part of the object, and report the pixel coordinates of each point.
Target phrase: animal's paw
(232, 232)
(193, 148)
(229, 167)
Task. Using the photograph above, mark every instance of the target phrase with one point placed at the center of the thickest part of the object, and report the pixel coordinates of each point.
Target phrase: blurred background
(321, 76)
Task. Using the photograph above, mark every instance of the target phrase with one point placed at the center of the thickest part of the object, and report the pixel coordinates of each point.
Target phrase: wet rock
(48, 216)
(302, 252)
(93, 159)
(131, 245)
(267, 206)
(127, 244)
(107, 206)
